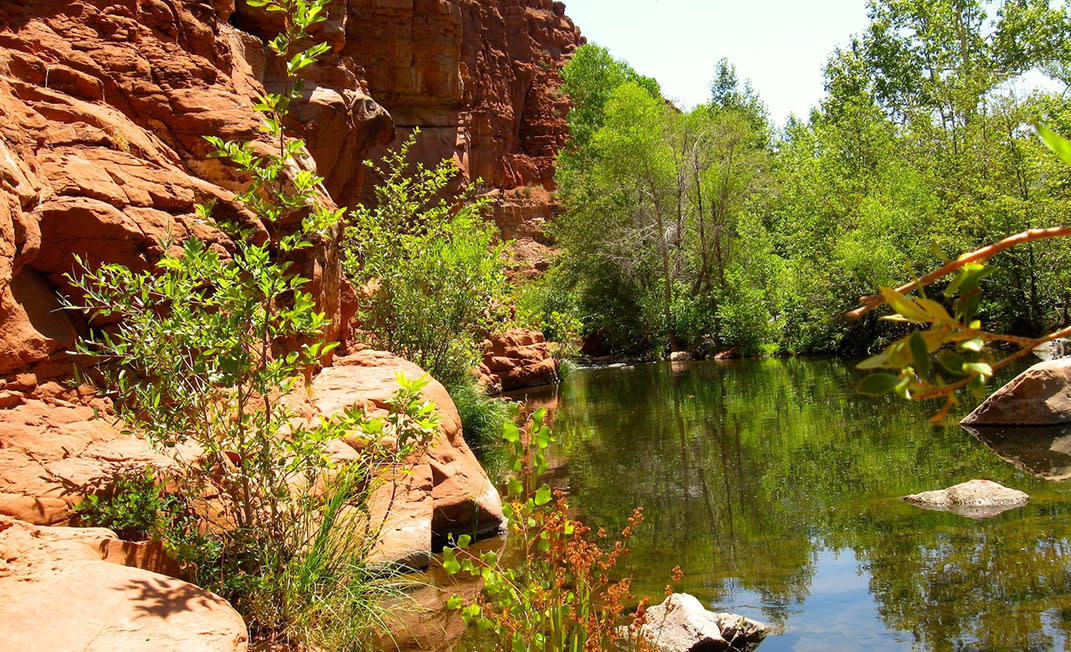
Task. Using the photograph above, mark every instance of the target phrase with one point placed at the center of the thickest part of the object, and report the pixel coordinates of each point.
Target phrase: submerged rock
(682, 624)
(974, 499)
(1040, 396)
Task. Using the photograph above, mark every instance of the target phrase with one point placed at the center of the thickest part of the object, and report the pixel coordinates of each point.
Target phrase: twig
(985, 253)
(946, 390)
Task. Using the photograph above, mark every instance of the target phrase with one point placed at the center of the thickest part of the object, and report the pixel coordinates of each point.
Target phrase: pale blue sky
(780, 45)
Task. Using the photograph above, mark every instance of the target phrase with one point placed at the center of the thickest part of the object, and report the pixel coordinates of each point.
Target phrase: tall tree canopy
(709, 228)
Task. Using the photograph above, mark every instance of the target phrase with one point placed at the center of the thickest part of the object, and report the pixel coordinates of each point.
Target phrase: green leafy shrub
(549, 304)
(202, 352)
(136, 508)
(431, 272)
(482, 416)
(558, 596)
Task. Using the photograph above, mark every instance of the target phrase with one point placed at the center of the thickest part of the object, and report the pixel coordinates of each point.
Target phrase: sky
(780, 45)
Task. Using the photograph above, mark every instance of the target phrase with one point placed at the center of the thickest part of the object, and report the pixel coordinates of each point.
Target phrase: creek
(777, 489)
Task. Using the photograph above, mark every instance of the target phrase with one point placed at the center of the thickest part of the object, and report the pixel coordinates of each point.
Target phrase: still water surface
(777, 489)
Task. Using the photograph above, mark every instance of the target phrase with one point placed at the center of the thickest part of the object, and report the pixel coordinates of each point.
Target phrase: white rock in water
(681, 624)
(974, 499)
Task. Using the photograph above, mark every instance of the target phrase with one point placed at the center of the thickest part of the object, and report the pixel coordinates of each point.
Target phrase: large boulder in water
(973, 499)
(1040, 396)
(682, 624)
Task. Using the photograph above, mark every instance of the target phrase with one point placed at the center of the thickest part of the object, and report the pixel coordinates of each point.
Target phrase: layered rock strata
(102, 153)
(106, 103)
(517, 358)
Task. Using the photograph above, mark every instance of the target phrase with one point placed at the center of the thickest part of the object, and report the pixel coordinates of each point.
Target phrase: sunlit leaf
(980, 368)
(905, 306)
(543, 495)
(877, 384)
(1055, 142)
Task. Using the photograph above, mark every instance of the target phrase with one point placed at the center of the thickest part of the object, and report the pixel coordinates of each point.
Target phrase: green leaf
(510, 432)
(980, 368)
(1057, 143)
(920, 354)
(976, 345)
(877, 384)
(543, 496)
(879, 361)
(905, 306)
(515, 487)
(450, 563)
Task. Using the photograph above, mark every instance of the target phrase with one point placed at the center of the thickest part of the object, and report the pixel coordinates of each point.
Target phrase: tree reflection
(748, 472)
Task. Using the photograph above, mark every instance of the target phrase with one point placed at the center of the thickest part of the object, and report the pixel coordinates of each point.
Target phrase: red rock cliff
(103, 105)
(479, 77)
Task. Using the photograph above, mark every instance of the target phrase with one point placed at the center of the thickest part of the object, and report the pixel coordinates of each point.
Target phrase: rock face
(974, 499)
(479, 78)
(517, 358)
(681, 624)
(444, 492)
(59, 591)
(106, 103)
(102, 156)
(102, 159)
(57, 446)
(1040, 396)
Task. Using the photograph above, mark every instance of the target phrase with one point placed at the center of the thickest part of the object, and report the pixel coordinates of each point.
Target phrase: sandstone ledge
(59, 592)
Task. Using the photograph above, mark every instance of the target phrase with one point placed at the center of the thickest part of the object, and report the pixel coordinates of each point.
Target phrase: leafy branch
(953, 353)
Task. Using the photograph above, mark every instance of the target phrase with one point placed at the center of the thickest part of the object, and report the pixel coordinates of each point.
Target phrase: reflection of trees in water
(1004, 584)
(746, 472)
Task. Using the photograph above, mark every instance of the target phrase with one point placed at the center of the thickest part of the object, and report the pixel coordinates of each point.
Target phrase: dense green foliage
(428, 267)
(951, 350)
(202, 355)
(707, 228)
(433, 281)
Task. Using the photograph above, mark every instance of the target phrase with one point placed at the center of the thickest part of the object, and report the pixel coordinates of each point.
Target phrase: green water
(777, 490)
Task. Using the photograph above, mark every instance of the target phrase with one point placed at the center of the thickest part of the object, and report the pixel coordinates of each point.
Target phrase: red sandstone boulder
(59, 591)
(443, 492)
(728, 354)
(517, 358)
(1040, 396)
